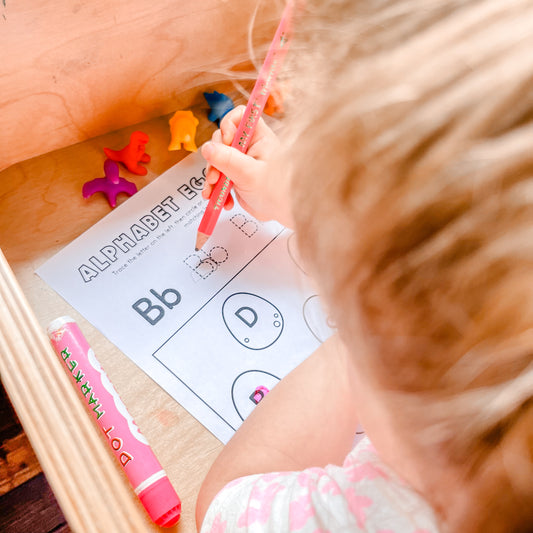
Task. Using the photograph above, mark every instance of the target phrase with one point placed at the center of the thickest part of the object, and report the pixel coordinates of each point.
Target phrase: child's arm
(261, 187)
(308, 419)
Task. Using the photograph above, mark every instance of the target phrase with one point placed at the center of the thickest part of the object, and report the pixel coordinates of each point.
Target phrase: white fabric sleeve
(361, 495)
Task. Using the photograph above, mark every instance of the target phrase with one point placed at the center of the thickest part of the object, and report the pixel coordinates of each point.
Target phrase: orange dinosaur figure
(132, 154)
(274, 104)
(183, 130)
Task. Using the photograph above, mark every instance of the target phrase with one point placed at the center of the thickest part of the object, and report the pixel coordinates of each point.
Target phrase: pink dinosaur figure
(132, 154)
(111, 185)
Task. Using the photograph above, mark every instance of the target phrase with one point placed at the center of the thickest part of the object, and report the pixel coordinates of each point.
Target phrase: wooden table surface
(41, 211)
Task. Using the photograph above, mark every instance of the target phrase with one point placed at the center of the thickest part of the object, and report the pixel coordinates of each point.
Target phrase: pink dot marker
(129, 446)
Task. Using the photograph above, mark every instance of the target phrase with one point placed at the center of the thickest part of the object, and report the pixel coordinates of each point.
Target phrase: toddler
(405, 168)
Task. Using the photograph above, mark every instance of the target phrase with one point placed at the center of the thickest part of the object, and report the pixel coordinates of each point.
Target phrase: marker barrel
(254, 109)
(147, 477)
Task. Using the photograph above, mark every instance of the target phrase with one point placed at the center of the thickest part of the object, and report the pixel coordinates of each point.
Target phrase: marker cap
(161, 502)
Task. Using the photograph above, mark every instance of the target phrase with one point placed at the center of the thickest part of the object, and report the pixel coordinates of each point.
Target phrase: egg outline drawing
(309, 310)
(280, 319)
(235, 381)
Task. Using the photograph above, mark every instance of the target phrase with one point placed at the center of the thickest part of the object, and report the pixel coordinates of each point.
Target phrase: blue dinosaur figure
(220, 104)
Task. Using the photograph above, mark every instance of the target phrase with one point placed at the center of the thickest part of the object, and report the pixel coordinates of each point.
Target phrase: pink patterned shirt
(361, 495)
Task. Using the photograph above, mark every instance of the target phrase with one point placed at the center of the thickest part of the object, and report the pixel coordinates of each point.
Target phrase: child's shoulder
(361, 495)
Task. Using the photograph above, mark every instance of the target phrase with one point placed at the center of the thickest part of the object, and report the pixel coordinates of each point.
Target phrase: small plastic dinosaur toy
(274, 104)
(132, 154)
(183, 130)
(111, 184)
(220, 104)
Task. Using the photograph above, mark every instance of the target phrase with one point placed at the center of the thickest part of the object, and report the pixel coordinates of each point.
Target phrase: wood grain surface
(41, 211)
(75, 69)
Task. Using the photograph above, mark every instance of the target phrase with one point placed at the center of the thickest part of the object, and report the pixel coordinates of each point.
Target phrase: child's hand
(260, 190)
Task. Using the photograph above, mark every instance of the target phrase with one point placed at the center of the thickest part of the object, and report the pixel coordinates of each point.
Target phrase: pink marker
(129, 446)
(250, 118)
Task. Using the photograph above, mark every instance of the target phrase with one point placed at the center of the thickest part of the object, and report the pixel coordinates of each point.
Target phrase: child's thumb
(238, 167)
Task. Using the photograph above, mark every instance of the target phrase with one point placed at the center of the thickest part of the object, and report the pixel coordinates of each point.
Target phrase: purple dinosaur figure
(111, 185)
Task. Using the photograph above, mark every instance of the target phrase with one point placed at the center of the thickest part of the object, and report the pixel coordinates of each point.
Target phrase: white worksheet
(217, 328)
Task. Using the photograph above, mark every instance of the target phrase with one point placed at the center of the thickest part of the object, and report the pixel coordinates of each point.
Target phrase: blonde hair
(410, 147)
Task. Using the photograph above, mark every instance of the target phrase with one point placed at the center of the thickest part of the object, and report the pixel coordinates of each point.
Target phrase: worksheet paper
(217, 328)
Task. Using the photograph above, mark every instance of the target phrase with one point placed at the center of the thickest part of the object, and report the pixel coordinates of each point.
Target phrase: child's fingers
(217, 136)
(232, 117)
(230, 123)
(208, 190)
(229, 202)
(212, 175)
(239, 167)
(228, 131)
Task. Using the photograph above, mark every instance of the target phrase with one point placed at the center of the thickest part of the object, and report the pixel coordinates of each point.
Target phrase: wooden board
(31, 508)
(72, 70)
(42, 210)
(18, 463)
